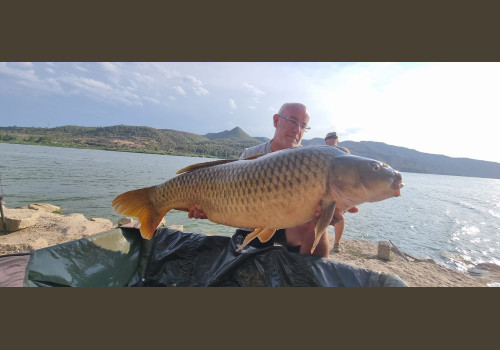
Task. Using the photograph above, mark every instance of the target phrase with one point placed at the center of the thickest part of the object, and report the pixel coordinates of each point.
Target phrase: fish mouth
(397, 185)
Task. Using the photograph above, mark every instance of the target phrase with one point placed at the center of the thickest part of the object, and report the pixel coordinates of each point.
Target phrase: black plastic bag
(190, 259)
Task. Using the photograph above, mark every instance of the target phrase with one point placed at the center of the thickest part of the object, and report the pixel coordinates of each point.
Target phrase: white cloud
(12, 70)
(95, 84)
(17, 77)
(151, 99)
(232, 104)
(22, 65)
(200, 91)
(99, 90)
(143, 78)
(179, 90)
(80, 68)
(253, 89)
(110, 67)
(196, 82)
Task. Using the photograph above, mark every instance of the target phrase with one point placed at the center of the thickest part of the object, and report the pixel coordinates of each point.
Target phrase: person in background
(332, 139)
(290, 124)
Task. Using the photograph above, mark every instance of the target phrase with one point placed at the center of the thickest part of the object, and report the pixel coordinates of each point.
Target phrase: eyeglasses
(302, 126)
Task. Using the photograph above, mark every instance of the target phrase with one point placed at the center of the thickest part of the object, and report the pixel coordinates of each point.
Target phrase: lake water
(453, 220)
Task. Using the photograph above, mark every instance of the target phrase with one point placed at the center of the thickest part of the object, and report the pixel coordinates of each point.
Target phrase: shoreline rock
(48, 229)
(49, 208)
(18, 219)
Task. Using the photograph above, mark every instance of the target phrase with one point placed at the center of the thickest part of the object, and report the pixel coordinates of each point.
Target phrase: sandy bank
(53, 228)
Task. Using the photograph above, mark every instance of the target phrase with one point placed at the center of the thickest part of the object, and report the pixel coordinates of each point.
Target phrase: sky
(449, 108)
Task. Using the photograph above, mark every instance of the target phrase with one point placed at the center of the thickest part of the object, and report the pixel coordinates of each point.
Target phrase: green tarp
(121, 258)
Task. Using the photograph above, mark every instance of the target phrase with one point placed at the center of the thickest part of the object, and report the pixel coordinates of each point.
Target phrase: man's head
(331, 139)
(290, 123)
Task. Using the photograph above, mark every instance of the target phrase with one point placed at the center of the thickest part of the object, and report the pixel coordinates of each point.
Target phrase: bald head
(289, 123)
(292, 107)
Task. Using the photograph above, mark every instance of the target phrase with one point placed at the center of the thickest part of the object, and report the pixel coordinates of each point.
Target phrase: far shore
(53, 228)
(102, 148)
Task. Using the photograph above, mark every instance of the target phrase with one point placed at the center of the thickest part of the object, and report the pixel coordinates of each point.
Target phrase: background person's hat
(331, 135)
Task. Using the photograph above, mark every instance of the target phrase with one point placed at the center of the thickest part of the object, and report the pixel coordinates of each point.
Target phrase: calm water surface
(453, 220)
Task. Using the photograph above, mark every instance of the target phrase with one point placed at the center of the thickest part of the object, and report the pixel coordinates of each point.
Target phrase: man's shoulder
(261, 148)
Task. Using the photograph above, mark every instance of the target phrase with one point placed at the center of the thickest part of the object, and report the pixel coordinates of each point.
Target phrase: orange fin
(328, 208)
(138, 204)
(215, 162)
(266, 234)
(253, 156)
(249, 237)
(204, 165)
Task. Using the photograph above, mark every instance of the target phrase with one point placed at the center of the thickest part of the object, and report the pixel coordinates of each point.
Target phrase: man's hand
(338, 216)
(196, 212)
(353, 209)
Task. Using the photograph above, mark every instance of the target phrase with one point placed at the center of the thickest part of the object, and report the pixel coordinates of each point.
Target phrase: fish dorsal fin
(204, 165)
(215, 162)
(253, 156)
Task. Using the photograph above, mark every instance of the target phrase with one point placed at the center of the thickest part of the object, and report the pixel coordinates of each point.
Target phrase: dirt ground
(421, 273)
(53, 228)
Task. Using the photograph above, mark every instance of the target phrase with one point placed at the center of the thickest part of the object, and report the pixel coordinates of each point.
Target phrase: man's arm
(196, 212)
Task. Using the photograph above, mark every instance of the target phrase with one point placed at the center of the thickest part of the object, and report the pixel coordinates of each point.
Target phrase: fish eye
(375, 167)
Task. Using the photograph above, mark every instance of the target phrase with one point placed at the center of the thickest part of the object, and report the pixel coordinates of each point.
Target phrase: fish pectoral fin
(204, 165)
(249, 237)
(328, 208)
(266, 234)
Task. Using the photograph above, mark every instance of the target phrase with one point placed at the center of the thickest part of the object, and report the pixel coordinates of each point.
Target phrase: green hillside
(230, 144)
(131, 139)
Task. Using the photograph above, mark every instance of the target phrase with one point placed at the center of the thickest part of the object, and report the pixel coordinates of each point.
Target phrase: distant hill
(236, 134)
(409, 160)
(262, 139)
(132, 139)
(313, 142)
(230, 144)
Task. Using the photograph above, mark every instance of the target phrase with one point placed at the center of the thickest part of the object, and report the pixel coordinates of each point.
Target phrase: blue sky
(441, 108)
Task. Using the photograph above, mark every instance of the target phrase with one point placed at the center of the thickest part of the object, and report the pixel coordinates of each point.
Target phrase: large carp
(266, 192)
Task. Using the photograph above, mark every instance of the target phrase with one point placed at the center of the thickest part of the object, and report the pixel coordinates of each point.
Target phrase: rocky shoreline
(42, 225)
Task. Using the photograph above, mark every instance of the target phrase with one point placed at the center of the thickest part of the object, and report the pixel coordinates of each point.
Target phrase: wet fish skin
(277, 190)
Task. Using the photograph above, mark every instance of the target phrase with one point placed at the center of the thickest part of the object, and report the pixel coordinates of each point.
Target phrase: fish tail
(137, 203)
